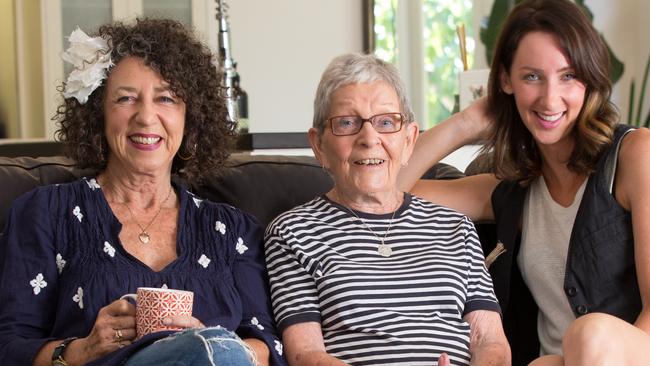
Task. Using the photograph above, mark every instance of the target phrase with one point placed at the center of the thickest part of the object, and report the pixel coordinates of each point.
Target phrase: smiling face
(144, 119)
(367, 163)
(547, 94)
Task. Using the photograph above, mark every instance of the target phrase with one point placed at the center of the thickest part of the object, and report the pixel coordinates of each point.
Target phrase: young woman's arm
(471, 195)
(632, 191)
(465, 127)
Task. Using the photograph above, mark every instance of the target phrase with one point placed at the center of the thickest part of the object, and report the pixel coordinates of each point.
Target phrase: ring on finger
(118, 335)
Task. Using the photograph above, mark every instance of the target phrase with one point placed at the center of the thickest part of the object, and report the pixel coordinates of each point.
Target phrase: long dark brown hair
(516, 156)
(170, 49)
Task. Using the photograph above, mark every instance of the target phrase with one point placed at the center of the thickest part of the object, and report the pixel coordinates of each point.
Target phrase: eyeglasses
(351, 125)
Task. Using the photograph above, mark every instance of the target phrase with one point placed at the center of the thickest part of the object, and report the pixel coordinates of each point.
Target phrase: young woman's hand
(476, 122)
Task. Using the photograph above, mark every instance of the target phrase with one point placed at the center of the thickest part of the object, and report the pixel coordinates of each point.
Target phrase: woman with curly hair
(571, 263)
(142, 104)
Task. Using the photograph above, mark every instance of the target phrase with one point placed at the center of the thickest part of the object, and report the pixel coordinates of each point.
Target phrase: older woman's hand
(444, 360)
(183, 321)
(114, 328)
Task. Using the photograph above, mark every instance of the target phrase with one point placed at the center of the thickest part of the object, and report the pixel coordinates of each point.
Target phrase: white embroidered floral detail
(92, 184)
(241, 248)
(220, 227)
(79, 297)
(204, 261)
(77, 212)
(91, 58)
(108, 249)
(197, 201)
(256, 323)
(60, 262)
(278, 347)
(38, 283)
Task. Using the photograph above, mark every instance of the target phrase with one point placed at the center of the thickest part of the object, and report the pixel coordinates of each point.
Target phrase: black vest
(600, 270)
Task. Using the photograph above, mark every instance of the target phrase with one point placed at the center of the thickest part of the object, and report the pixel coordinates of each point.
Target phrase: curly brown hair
(170, 49)
(516, 156)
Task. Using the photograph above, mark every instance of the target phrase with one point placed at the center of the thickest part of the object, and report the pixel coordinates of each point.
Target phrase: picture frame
(472, 85)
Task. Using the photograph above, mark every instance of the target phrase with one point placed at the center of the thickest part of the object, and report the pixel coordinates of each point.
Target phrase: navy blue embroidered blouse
(61, 261)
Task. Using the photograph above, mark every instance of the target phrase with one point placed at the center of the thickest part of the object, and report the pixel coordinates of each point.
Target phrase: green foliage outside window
(386, 30)
(441, 51)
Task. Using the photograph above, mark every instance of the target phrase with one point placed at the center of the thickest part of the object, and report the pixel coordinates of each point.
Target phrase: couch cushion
(266, 186)
(20, 175)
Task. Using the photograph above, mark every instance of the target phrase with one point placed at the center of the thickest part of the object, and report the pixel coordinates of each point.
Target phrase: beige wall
(20, 42)
(282, 47)
(32, 112)
(8, 82)
(627, 31)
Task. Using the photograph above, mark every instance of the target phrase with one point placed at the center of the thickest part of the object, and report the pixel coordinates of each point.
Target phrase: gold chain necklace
(144, 236)
(384, 249)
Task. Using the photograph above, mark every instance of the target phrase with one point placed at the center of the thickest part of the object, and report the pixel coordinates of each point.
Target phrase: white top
(546, 231)
(405, 309)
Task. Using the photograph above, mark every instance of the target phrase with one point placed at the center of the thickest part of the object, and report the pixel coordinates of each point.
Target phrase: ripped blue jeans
(208, 346)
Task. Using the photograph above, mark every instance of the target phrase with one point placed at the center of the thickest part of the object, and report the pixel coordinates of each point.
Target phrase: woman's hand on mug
(182, 321)
(114, 328)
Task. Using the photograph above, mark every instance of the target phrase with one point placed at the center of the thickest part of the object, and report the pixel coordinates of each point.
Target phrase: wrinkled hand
(444, 360)
(476, 119)
(183, 321)
(114, 320)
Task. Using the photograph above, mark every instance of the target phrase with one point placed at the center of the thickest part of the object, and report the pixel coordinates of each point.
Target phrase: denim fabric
(197, 347)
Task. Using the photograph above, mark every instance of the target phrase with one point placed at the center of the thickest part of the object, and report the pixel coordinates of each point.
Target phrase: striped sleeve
(480, 293)
(293, 290)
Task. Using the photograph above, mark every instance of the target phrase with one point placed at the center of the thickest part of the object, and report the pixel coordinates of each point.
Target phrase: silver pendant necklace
(383, 249)
(144, 236)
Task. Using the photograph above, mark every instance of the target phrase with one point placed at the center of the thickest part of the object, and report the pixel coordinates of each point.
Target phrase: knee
(551, 360)
(587, 336)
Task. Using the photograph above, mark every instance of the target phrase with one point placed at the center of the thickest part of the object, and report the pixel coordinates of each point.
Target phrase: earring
(324, 168)
(189, 154)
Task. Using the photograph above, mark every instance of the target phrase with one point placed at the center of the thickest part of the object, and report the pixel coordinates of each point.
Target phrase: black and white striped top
(404, 309)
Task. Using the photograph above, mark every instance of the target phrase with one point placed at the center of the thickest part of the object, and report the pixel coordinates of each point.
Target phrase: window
(420, 38)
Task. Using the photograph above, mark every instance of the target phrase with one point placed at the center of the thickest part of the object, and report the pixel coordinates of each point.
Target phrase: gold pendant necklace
(144, 236)
(383, 249)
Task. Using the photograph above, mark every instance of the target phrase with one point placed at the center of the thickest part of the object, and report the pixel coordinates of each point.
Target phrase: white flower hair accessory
(91, 58)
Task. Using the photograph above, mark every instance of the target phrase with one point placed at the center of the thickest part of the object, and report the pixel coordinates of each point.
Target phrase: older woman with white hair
(367, 274)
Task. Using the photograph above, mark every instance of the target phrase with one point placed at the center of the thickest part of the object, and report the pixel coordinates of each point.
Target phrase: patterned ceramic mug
(155, 304)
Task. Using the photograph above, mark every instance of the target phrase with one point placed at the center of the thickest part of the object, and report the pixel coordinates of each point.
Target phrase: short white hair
(354, 68)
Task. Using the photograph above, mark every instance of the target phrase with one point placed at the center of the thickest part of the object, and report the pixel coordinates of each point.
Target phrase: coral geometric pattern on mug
(153, 306)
